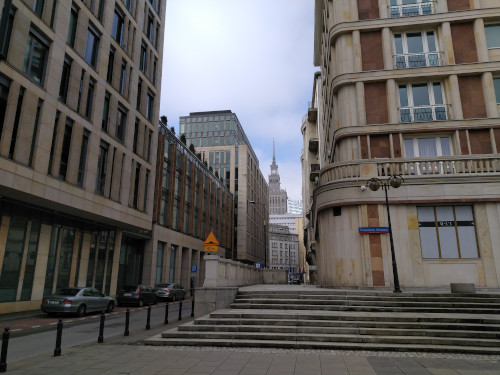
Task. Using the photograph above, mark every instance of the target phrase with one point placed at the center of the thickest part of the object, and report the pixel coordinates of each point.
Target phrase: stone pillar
(456, 101)
(489, 95)
(387, 48)
(41, 261)
(84, 258)
(447, 44)
(481, 44)
(392, 101)
(116, 263)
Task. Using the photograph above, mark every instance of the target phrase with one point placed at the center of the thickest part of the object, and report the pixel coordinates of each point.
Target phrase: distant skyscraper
(277, 195)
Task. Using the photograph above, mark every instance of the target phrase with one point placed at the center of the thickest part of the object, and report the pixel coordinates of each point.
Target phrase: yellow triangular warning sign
(211, 240)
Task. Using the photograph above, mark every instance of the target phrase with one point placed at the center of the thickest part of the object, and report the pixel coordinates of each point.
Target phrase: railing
(426, 166)
(417, 60)
(410, 10)
(437, 112)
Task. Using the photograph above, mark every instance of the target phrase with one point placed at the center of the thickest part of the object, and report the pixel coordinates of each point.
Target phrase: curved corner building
(412, 88)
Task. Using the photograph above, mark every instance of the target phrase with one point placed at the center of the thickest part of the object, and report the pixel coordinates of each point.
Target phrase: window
(92, 46)
(36, 56)
(63, 88)
(155, 63)
(4, 96)
(447, 232)
(80, 91)
(150, 103)
(53, 142)
(136, 135)
(15, 128)
(121, 123)
(73, 18)
(139, 95)
(90, 98)
(142, 61)
(101, 168)
(117, 31)
(38, 7)
(63, 165)
(136, 184)
(149, 31)
(105, 112)
(128, 5)
(5, 40)
(35, 131)
(122, 77)
(492, 35)
(416, 49)
(83, 157)
(422, 102)
(496, 84)
(159, 262)
(111, 63)
(428, 147)
(407, 8)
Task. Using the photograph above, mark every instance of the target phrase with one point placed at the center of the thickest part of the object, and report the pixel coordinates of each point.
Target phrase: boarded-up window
(371, 51)
(458, 5)
(380, 146)
(364, 147)
(368, 9)
(376, 103)
(464, 43)
(480, 141)
(472, 97)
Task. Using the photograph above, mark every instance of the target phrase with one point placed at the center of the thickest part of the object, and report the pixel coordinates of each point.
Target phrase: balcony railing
(437, 112)
(436, 166)
(417, 60)
(410, 10)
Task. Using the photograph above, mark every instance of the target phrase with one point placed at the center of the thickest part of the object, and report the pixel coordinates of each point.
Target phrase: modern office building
(412, 89)
(284, 249)
(79, 100)
(190, 203)
(277, 196)
(219, 138)
(294, 206)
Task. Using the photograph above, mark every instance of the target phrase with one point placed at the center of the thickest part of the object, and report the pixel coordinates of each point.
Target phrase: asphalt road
(41, 339)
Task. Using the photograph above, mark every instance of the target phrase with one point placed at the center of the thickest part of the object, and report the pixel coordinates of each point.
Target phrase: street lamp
(375, 184)
(265, 234)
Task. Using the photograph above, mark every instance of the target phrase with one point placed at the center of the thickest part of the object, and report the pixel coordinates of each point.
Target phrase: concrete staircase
(370, 319)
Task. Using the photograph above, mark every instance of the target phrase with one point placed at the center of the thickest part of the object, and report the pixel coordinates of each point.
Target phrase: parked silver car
(172, 292)
(78, 301)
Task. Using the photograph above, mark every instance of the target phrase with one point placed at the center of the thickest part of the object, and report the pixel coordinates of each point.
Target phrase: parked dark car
(170, 292)
(77, 301)
(136, 295)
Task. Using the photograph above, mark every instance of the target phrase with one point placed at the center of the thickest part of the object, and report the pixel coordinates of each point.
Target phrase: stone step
(375, 331)
(281, 336)
(349, 324)
(364, 308)
(292, 344)
(389, 303)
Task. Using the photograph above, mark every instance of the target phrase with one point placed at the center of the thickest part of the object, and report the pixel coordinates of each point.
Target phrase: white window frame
(488, 26)
(420, 5)
(411, 107)
(437, 167)
(407, 56)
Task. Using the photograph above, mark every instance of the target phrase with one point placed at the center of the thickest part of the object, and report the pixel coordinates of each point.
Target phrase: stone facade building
(409, 89)
(284, 249)
(79, 100)
(219, 138)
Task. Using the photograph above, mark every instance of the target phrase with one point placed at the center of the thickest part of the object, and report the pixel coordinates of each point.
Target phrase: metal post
(397, 289)
(5, 345)
(192, 308)
(127, 322)
(180, 310)
(100, 339)
(166, 314)
(148, 326)
(57, 350)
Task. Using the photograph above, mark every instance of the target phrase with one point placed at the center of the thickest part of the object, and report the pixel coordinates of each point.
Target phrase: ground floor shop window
(173, 253)
(447, 232)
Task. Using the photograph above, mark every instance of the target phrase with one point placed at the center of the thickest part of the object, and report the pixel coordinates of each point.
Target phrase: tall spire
(274, 153)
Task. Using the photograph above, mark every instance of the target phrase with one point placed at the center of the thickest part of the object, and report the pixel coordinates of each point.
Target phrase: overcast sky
(253, 57)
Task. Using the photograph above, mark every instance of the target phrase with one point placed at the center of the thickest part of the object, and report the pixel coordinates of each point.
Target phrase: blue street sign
(376, 230)
(194, 268)
(258, 265)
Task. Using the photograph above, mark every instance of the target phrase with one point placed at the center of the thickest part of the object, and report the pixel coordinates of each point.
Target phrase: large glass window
(63, 166)
(173, 255)
(5, 39)
(105, 111)
(101, 168)
(4, 95)
(159, 262)
(31, 255)
(428, 147)
(92, 46)
(36, 56)
(65, 258)
(447, 232)
(408, 8)
(492, 35)
(422, 102)
(117, 30)
(150, 103)
(416, 49)
(73, 18)
(90, 98)
(38, 7)
(122, 77)
(63, 88)
(142, 61)
(496, 84)
(111, 63)
(83, 157)
(121, 123)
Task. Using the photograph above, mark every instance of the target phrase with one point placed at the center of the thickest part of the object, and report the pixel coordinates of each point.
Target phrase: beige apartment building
(219, 138)
(412, 89)
(79, 102)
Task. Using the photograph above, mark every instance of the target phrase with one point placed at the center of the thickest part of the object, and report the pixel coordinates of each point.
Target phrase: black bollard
(57, 350)
(180, 310)
(192, 308)
(100, 339)
(127, 322)
(148, 326)
(5, 345)
(166, 313)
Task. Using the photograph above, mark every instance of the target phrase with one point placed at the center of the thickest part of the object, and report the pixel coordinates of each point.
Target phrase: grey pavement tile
(225, 372)
(253, 371)
(361, 370)
(442, 371)
(388, 370)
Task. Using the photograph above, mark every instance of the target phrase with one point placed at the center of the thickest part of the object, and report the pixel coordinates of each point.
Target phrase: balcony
(411, 10)
(313, 144)
(437, 112)
(417, 60)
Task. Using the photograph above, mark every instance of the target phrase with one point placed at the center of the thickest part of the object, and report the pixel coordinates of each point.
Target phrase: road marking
(15, 330)
(69, 321)
(35, 326)
(52, 323)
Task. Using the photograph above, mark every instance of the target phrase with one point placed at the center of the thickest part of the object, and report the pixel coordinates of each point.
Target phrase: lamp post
(375, 184)
(265, 234)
